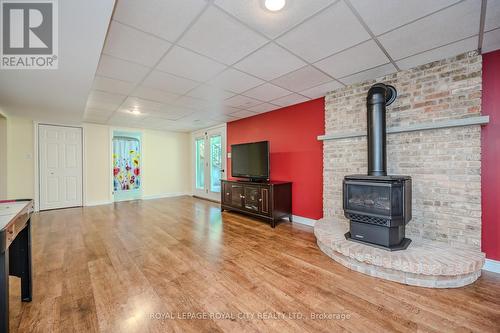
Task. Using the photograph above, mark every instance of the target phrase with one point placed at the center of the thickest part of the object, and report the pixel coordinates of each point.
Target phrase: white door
(209, 162)
(60, 166)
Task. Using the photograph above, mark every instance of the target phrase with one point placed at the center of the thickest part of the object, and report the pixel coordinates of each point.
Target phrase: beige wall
(166, 162)
(3, 157)
(165, 168)
(97, 164)
(20, 162)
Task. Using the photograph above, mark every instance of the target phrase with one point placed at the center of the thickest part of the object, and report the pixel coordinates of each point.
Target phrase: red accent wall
(490, 157)
(295, 153)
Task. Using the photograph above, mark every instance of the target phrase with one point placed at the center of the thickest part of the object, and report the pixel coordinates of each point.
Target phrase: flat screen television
(250, 160)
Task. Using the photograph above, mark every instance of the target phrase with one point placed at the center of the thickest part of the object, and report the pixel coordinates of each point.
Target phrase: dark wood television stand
(271, 201)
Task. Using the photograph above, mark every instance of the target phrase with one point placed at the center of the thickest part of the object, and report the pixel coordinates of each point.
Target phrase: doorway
(209, 162)
(127, 166)
(60, 166)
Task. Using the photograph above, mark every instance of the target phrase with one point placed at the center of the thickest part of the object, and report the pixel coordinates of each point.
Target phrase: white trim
(98, 203)
(192, 151)
(492, 266)
(165, 195)
(146, 197)
(303, 220)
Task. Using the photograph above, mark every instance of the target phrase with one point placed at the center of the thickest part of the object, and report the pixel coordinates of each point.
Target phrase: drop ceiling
(189, 64)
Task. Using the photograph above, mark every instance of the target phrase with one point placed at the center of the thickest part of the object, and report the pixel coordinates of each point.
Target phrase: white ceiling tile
(120, 69)
(195, 103)
(182, 62)
(224, 118)
(169, 82)
(272, 24)
(229, 109)
(243, 114)
(97, 113)
(353, 60)
(369, 74)
(322, 89)
(266, 92)
(143, 105)
(331, 31)
(104, 101)
(264, 107)
(240, 101)
(439, 53)
(384, 15)
(290, 100)
(434, 30)
(112, 85)
(157, 122)
(219, 36)
(167, 19)
(270, 62)
(198, 119)
(235, 81)
(127, 114)
(492, 19)
(154, 94)
(133, 45)
(208, 92)
(302, 79)
(491, 41)
(173, 112)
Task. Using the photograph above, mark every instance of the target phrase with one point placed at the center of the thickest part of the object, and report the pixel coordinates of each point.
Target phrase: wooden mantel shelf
(480, 120)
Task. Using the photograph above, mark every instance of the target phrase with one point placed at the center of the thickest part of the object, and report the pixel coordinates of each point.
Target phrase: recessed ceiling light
(136, 112)
(275, 5)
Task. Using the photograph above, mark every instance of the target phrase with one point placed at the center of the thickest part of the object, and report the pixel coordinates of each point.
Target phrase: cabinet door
(252, 198)
(226, 193)
(265, 202)
(236, 199)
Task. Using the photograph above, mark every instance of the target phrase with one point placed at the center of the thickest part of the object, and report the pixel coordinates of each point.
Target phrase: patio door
(209, 162)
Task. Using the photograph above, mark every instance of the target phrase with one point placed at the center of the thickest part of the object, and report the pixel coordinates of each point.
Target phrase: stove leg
(4, 292)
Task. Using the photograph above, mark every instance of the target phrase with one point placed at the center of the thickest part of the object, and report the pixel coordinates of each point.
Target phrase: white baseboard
(164, 195)
(492, 266)
(97, 203)
(303, 220)
(145, 197)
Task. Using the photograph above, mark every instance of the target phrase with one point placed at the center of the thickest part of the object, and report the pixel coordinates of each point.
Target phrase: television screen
(250, 160)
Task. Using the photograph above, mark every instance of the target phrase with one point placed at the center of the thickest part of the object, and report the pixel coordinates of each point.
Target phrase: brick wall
(445, 164)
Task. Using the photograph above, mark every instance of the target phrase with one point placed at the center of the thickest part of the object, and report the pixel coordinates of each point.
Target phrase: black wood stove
(377, 205)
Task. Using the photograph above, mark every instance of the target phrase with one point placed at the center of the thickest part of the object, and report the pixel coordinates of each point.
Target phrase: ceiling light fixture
(275, 5)
(136, 112)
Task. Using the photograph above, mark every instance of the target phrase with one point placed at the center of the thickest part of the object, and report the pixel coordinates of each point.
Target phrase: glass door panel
(215, 163)
(209, 162)
(252, 198)
(200, 163)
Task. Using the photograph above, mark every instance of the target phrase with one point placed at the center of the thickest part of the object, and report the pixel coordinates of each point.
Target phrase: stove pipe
(379, 96)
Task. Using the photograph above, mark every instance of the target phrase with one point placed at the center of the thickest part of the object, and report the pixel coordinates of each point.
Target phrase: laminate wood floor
(178, 264)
